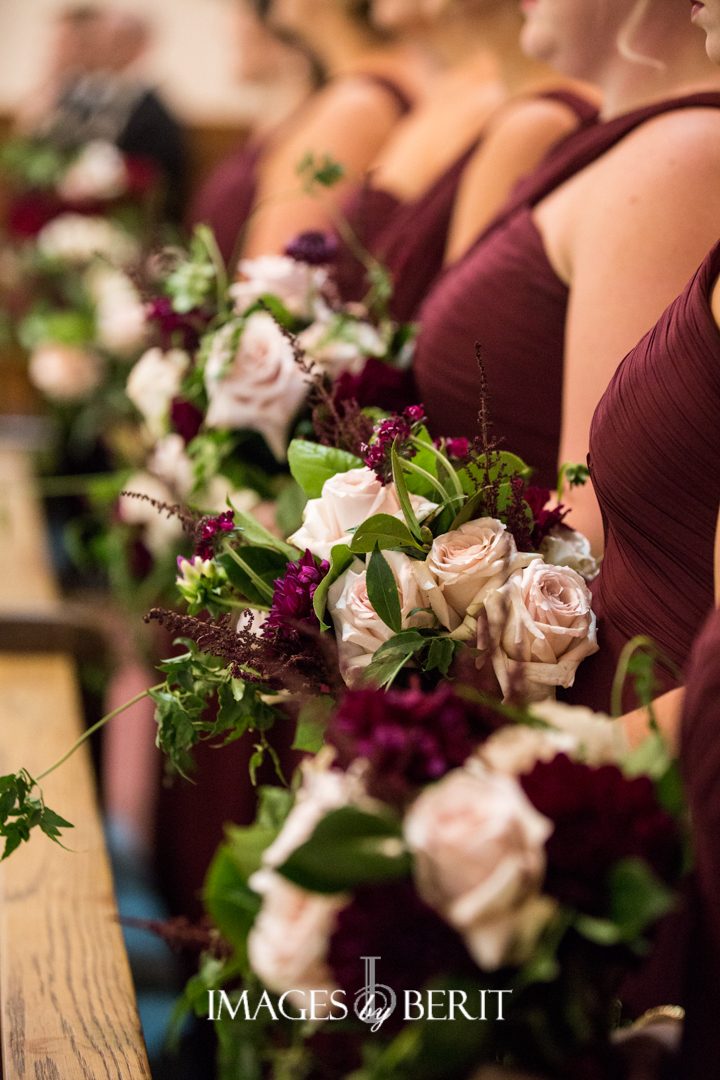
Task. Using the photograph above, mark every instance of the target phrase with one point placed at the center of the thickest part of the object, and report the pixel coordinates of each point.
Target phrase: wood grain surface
(67, 1005)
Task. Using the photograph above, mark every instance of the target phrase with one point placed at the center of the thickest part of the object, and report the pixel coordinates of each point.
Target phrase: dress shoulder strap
(586, 112)
(402, 99)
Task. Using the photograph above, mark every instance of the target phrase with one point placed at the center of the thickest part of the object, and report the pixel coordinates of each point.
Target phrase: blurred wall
(192, 61)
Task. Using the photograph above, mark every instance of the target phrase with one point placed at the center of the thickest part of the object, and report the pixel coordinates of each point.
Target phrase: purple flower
(207, 530)
(457, 448)
(314, 248)
(186, 418)
(545, 520)
(379, 384)
(292, 601)
(175, 329)
(376, 453)
(409, 738)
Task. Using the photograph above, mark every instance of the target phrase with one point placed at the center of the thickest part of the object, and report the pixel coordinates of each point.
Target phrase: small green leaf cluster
(324, 171)
(21, 812)
(33, 163)
(192, 282)
(193, 680)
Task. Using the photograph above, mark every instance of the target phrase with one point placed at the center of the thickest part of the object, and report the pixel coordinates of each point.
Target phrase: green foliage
(384, 531)
(382, 591)
(349, 848)
(637, 899)
(193, 680)
(33, 162)
(289, 507)
(340, 559)
(312, 464)
(67, 327)
(195, 278)
(324, 171)
(393, 655)
(311, 724)
(403, 496)
(572, 475)
(21, 812)
(253, 575)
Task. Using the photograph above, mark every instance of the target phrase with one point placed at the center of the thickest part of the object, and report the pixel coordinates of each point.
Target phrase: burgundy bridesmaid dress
(410, 238)
(505, 295)
(227, 197)
(655, 466)
(700, 759)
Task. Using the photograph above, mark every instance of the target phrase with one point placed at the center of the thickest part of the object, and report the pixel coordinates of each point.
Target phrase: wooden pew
(67, 1005)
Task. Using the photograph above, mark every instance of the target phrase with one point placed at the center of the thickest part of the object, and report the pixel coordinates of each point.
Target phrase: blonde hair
(624, 42)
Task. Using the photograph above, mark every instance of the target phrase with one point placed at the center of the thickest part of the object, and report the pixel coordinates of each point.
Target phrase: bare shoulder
(529, 115)
(350, 99)
(681, 142)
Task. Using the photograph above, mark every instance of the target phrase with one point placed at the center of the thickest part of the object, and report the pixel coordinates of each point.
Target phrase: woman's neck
(669, 61)
(463, 37)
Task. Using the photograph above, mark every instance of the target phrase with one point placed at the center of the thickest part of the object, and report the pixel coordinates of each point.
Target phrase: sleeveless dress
(505, 295)
(700, 760)
(655, 466)
(225, 200)
(410, 238)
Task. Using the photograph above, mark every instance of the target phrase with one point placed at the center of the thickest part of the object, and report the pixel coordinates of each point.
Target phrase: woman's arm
(349, 121)
(518, 138)
(667, 709)
(627, 235)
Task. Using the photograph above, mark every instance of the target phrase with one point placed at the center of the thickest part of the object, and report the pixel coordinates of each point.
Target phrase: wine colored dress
(700, 760)
(227, 197)
(410, 238)
(505, 295)
(655, 466)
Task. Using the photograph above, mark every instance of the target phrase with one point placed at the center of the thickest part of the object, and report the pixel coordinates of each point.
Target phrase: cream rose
(541, 625)
(295, 283)
(479, 847)
(153, 383)
(170, 462)
(359, 629)
(98, 172)
(78, 238)
(255, 383)
(346, 501)
(65, 372)
(341, 344)
(119, 311)
(464, 565)
(567, 547)
(599, 740)
(290, 939)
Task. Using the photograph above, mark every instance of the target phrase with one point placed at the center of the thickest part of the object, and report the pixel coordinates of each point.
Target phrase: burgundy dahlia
(409, 737)
(313, 247)
(293, 597)
(600, 817)
(186, 418)
(378, 384)
(173, 329)
(544, 519)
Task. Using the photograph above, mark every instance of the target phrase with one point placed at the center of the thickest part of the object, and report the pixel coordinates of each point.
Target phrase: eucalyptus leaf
(349, 848)
(312, 464)
(382, 591)
(385, 531)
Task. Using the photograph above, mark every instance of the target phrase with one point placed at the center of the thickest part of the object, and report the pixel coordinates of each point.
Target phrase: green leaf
(312, 464)
(257, 535)
(266, 566)
(402, 494)
(385, 531)
(311, 724)
(340, 559)
(382, 591)
(392, 656)
(440, 655)
(426, 460)
(600, 931)
(637, 897)
(230, 902)
(289, 507)
(349, 848)
(503, 462)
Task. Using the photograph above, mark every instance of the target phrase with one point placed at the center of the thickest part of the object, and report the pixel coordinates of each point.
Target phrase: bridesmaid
(283, 76)
(490, 106)
(554, 279)
(374, 80)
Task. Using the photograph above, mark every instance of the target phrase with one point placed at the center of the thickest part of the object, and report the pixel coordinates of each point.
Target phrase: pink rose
(479, 848)
(296, 284)
(541, 625)
(65, 372)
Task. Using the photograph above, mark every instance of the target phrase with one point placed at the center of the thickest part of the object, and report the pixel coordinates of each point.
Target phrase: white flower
(160, 531)
(290, 939)
(599, 739)
(516, 748)
(170, 462)
(339, 344)
(65, 372)
(359, 629)
(254, 383)
(78, 238)
(294, 283)
(119, 311)
(541, 625)
(463, 566)
(98, 172)
(153, 383)
(566, 547)
(348, 499)
(479, 847)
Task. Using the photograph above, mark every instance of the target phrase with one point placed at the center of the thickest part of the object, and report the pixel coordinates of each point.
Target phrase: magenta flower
(376, 453)
(292, 602)
(313, 247)
(207, 531)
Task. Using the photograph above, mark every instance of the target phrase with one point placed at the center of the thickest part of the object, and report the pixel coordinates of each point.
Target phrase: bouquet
(453, 883)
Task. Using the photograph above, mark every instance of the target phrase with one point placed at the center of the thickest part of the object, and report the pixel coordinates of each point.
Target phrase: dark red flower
(176, 330)
(600, 817)
(408, 736)
(313, 247)
(399, 426)
(293, 597)
(208, 529)
(379, 385)
(28, 213)
(142, 174)
(186, 418)
(545, 520)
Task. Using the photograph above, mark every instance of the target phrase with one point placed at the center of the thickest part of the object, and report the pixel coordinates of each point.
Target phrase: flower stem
(96, 727)
(431, 480)
(455, 479)
(262, 586)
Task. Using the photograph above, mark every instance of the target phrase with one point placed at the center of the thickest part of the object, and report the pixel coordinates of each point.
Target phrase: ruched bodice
(655, 466)
(505, 294)
(410, 238)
